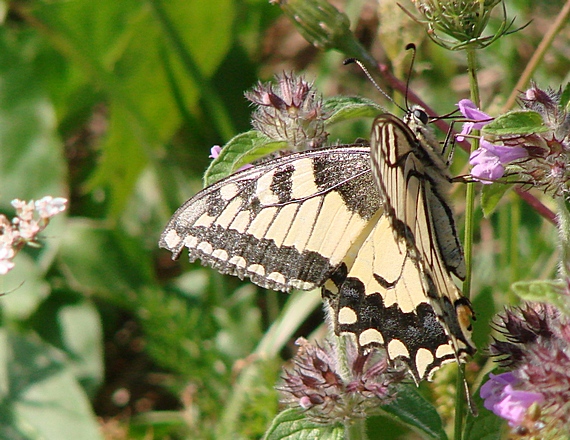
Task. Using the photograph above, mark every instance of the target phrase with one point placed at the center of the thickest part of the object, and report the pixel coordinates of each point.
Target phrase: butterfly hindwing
(409, 303)
(286, 223)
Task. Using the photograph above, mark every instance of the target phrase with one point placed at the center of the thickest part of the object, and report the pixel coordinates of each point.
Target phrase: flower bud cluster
(31, 218)
(316, 384)
(290, 110)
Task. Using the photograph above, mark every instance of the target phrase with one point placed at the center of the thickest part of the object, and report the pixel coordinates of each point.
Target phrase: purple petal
(465, 130)
(487, 166)
(515, 404)
(215, 151)
(488, 160)
(492, 390)
(470, 111)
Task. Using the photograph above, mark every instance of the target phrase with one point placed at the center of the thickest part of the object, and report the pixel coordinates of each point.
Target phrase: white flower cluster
(31, 218)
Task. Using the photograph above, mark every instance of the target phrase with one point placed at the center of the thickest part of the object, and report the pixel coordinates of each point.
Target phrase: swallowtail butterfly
(369, 225)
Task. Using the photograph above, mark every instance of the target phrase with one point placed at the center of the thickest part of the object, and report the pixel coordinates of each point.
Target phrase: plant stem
(564, 236)
(355, 429)
(468, 243)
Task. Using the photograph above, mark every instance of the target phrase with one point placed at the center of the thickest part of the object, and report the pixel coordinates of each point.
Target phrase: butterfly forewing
(286, 223)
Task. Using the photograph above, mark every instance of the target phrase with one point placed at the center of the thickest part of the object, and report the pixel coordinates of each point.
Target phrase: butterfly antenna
(412, 47)
(371, 79)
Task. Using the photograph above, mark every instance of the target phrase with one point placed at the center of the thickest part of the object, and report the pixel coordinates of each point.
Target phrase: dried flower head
(316, 384)
(535, 394)
(464, 21)
(31, 218)
(290, 110)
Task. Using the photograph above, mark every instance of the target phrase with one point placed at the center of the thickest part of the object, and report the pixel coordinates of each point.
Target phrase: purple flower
(505, 401)
(488, 160)
(470, 111)
(215, 151)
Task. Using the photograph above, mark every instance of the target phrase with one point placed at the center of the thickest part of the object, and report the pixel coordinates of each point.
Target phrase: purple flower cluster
(488, 160)
(316, 384)
(534, 396)
(540, 158)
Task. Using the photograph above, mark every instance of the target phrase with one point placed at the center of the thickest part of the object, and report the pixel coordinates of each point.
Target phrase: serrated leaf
(516, 123)
(486, 425)
(342, 108)
(239, 151)
(491, 195)
(292, 424)
(546, 291)
(412, 409)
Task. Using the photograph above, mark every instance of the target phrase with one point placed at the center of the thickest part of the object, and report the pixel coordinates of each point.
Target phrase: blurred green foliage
(115, 105)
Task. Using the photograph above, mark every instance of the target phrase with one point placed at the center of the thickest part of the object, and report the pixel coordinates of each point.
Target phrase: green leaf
(342, 108)
(23, 287)
(546, 291)
(518, 123)
(104, 261)
(292, 424)
(491, 195)
(486, 425)
(239, 151)
(39, 394)
(412, 409)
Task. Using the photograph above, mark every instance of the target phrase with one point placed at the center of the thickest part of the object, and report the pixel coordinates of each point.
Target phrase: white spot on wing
(277, 277)
(347, 316)
(279, 228)
(190, 242)
(229, 191)
(444, 351)
(302, 227)
(205, 247)
(370, 336)
(263, 189)
(335, 220)
(257, 269)
(241, 222)
(238, 261)
(220, 254)
(205, 220)
(397, 348)
(172, 239)
(424, 358)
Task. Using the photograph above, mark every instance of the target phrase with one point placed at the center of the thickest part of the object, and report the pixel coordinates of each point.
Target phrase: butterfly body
(369, 225)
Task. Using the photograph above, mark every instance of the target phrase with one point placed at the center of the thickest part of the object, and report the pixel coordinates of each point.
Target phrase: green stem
(468, 242)
(355, 429)
(564, 235)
